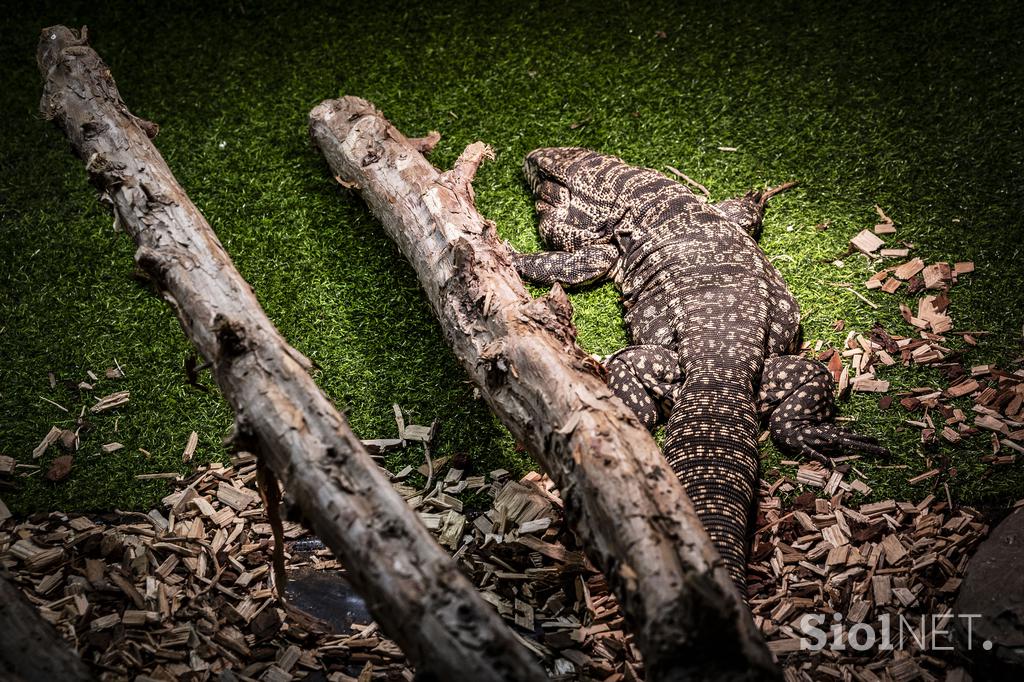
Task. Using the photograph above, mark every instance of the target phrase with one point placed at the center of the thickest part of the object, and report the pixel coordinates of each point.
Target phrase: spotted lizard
(712, 324)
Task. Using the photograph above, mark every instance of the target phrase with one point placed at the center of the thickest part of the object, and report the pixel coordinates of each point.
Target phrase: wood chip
(991, 423)
(416, 432)
(238, 499)
(869, 385)
(60, 468)
(111, 401)
(908, 269)
(931, 473)
(891, 285)
(866, 242)
(49, 439)
(936, 276)
(963, 388)
(190, 447)
(963, 267)
(894, 551)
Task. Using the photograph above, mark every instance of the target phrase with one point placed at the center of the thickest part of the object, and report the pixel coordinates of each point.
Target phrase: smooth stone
(993, 590)
(327, 596)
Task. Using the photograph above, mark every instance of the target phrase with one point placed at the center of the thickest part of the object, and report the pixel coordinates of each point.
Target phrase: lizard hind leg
(748, 210)
(798, 394)
(645, 378)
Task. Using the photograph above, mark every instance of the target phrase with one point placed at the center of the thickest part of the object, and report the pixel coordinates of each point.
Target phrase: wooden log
(622, 499)
(412, 587)
(31, 650)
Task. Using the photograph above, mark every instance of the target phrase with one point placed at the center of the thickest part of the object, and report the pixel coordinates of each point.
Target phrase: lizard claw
(868, 445)
(819, 441)
(807, 452)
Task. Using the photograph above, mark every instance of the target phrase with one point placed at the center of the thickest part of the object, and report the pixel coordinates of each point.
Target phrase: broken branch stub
(413, 588)
(624, 502)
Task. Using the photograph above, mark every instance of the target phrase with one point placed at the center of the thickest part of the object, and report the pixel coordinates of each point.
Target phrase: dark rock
(993, 592)
(326, 595)
(60, 468)
(68, 440)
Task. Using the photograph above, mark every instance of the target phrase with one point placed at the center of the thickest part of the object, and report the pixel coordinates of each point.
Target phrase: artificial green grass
(915, 110)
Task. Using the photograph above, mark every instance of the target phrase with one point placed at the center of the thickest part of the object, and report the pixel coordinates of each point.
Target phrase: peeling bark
(622, 499)
(30, 648)
(412, 587)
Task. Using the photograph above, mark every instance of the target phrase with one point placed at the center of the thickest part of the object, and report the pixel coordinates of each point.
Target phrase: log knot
(54, 40)
(93, 129)
(151, 264)
(148, 127)
(232, 337)
(98, 165)
(371, 157)
(495, 362)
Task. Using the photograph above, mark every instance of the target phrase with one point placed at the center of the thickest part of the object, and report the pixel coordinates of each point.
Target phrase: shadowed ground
(917, 111)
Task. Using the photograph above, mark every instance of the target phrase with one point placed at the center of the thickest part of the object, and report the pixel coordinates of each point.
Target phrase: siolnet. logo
(932, 632)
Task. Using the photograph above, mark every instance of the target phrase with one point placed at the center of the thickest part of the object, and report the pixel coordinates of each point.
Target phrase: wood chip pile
(826, 556)
(186, 591)
(996, 395)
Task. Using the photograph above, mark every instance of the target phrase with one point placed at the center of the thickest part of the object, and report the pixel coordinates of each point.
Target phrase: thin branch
(690, 181)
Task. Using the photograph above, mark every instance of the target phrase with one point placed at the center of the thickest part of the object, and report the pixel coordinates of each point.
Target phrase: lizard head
(557, 164)
(573, 188)
(748, 211)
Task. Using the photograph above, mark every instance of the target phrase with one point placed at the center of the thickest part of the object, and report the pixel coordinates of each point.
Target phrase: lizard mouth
(532, 172)
(553, 163)
(548, 163)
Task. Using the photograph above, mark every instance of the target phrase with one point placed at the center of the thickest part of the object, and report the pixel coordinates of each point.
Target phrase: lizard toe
(807, 452)
(868, 445)
(819, 441)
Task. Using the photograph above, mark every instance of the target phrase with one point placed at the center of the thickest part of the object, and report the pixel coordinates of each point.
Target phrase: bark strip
(412, 587)
(622, 499)
(30, 648)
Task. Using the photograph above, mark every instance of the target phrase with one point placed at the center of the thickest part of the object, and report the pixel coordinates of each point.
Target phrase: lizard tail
(711, 445)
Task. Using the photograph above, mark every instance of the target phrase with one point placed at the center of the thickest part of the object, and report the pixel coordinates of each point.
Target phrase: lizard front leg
(586, 265)
(798, 394)
(645, 378)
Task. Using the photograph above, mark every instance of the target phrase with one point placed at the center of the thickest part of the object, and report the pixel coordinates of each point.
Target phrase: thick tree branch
(621, 497)
(30, 648)
(411, 586)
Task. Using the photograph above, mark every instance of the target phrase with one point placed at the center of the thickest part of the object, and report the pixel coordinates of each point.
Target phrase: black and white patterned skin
(711, 321)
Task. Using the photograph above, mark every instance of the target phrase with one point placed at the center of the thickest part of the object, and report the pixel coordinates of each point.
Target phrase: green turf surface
(918, 111)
